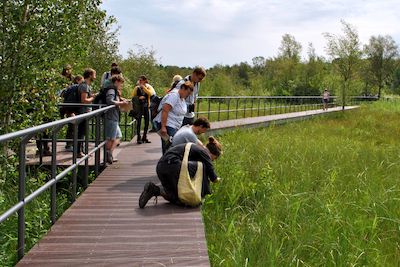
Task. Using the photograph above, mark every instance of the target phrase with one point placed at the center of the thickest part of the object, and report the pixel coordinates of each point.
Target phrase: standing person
(113, 131)
(107, 75)
(198, 74)
(179, 162)
(86, 97)
(188, 133)
(67, 74)
(173, 109)
(70, 112)
(325, 99)
(114, 71)
(143, 91)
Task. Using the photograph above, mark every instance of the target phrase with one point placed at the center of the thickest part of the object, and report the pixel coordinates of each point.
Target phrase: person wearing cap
(187, 157)
(107, 75)
(198, 74)
(141, 96)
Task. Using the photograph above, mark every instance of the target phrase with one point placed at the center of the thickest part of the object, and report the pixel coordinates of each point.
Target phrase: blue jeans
(170, 131)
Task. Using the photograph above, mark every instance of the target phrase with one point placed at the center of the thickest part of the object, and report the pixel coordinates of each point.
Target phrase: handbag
(189, 189)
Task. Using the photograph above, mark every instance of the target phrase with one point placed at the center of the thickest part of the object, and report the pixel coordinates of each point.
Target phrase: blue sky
(209, 32)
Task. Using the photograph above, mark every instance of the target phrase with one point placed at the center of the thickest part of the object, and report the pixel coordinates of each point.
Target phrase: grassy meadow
(323, 192)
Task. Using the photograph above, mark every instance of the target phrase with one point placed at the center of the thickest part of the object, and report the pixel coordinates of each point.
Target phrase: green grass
(324, 192)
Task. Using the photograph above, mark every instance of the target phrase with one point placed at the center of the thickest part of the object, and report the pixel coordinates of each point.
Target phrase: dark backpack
(102, 95)
(71, 95)
(154, 105)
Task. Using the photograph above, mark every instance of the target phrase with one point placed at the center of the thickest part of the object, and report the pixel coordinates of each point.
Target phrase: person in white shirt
(173, 109)
(188, 133)
(198, 74)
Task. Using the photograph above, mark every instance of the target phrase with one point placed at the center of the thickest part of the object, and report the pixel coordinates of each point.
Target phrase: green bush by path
(324, 192)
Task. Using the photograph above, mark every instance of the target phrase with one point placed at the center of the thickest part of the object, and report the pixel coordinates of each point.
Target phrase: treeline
(40, 37)
(352, 68)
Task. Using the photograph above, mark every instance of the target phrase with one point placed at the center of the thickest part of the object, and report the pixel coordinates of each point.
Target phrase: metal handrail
(263, 105)
(27, 134)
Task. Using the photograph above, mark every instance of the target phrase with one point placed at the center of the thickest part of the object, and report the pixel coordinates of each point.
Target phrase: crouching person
(185, 172)
(113, 132)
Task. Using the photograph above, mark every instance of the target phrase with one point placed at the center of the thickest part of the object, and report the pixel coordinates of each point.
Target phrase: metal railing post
(219, 109)
(244, 108)
(96, 143)
(209, 108)
(74, 157)
(53, 190)
(86, 170)
(229, 102)
(21, 197)
(237, 107)
(104, 138)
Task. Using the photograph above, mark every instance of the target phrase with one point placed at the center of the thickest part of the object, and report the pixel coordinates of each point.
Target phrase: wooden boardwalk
(105, 226)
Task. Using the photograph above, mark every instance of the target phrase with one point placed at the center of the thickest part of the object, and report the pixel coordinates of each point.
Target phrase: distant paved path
(220, 126)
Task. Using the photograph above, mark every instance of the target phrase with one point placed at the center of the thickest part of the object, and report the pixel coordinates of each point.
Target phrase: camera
(190, 108)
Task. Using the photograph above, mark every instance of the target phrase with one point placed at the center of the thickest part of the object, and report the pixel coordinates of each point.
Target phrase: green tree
(381, 52)
(290, 48)
(38, 38)
(345, 52)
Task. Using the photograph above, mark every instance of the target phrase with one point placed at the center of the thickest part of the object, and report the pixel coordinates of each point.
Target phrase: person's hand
(163, 131)
(217, 180)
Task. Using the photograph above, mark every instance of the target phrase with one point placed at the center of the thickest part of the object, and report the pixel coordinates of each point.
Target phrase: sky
(189, 33)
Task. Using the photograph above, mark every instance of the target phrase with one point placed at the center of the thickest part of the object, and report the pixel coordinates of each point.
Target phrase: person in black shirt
(169, 167)
(143, 92)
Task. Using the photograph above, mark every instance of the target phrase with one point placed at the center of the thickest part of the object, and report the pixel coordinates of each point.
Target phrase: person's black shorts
(326, 101)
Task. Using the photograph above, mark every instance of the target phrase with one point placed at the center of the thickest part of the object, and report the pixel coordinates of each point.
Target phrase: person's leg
(111, 133)
(138, 125)
(150, 190)
(146, 115)
(81, 136)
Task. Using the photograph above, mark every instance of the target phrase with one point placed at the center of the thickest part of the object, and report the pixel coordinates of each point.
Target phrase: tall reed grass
(324, 192)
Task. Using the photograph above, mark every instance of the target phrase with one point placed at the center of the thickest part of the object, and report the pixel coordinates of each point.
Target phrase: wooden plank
(63, 157)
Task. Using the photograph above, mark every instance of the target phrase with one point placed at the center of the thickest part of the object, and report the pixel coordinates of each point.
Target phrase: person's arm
(85, 99)
(206, 160)
(164, 117)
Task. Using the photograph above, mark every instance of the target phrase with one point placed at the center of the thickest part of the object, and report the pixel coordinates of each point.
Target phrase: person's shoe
(147, 141)
(115, 159)
(80, 155)
(69, 148)
(139, 142)
(150, 190)
(153, 131)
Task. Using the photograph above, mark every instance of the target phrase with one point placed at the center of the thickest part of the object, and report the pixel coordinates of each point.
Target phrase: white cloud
(208, 32)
